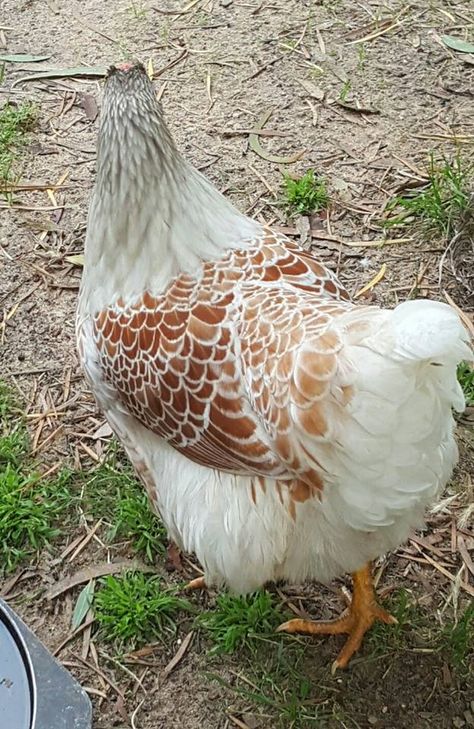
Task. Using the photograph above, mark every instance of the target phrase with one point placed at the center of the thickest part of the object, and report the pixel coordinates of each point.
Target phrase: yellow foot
(363, 612)
(197, 584)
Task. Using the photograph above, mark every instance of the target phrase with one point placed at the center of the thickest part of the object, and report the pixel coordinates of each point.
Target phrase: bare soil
(220, 66)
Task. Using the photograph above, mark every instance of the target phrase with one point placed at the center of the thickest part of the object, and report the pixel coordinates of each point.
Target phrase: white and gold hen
(282, 431)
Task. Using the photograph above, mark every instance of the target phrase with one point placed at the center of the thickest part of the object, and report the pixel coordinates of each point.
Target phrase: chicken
(282, 431)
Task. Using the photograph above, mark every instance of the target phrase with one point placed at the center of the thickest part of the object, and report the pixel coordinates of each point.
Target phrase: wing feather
(236, 372)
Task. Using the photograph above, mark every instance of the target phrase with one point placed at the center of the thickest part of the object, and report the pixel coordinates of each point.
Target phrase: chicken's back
(364, 401)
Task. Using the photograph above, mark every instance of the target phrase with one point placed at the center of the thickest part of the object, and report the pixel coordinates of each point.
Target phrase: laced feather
(281, 430)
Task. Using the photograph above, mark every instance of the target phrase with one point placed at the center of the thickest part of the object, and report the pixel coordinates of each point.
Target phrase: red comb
(125, 66)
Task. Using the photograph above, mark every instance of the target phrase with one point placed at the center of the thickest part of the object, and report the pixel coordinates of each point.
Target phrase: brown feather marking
(300, 491)
(252, 492)
(313, 421)
(172, 361)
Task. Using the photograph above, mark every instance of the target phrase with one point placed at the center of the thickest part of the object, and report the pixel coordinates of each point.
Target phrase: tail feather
(430, 331)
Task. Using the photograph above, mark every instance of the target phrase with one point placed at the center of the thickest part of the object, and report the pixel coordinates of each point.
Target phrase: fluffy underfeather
(389, 448)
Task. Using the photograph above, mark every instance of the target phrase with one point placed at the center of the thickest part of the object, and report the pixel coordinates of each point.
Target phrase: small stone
(252, 721)
(226, 3)
(469, 717)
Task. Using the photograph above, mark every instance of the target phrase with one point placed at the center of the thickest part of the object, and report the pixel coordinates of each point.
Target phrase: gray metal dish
(36, 692)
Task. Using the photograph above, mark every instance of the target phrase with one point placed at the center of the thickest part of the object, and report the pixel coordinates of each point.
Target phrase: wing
(235, 369)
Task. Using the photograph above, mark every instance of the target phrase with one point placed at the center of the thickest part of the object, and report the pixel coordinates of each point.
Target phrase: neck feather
(152, 215)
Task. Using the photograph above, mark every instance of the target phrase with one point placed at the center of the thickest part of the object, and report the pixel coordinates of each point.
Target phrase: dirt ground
(219, 67)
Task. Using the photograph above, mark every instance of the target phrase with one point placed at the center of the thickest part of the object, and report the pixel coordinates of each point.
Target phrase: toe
(198, 584)
(385, 617)
(317, 627)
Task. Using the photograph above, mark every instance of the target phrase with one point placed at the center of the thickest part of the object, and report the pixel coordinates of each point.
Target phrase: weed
(113, 492)
(135, 521)
(165, 32)
(137, 9)
(361, 57)
(382, 636)
(13, 436)
(458, 639)
(30, 507)
(442, 203)
(134, 609)
(239, 619)
(304, 195)
(315, 72)
(15, 121)
(346, 87)
(289, 44)
(275, 680)
(466, 380)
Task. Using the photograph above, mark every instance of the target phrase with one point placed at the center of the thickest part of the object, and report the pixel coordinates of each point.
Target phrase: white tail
(430, 331)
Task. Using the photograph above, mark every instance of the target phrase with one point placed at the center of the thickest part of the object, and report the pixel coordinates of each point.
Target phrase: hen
(282, 431)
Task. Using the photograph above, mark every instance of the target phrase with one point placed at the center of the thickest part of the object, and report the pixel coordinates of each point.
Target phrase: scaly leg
(197, 584)
(363, 612)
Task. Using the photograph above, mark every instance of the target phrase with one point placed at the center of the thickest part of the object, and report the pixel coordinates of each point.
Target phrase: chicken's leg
(198, 583)
(363, 612)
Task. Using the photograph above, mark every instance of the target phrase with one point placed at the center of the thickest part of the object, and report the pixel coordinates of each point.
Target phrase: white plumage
(282, 432)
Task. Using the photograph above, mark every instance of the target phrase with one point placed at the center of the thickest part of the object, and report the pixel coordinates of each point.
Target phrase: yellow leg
(197, 584)
(363, 612)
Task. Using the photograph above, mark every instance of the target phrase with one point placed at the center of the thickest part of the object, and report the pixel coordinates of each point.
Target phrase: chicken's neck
(151, 217)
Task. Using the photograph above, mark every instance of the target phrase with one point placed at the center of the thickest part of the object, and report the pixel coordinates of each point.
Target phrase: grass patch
(279, 683)
(383, 637)
(466, 380)
(134, 609)
(442, 204)
(15, 122)
(238, 620)
(457, 639)
(13, 435)
(31, 508)
(304, 195)
(113, 492)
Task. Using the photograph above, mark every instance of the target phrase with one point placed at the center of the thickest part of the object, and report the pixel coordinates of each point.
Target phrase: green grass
(31, 508)
(416, 628)
(278, 681)
(443, 204)
(304, 195)
(13, 435)
(113, 492)
(137, 9)
(15, 122)
(344, 93)
(466, 380)
(457, 640)
(237, 620)
(382, 637)
(135, 609)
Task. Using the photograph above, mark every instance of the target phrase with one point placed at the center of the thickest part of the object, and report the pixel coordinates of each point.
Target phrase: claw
(197, 584)
(363, 612)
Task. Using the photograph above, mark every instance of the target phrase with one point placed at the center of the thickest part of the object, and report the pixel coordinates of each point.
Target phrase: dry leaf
(75, 260)
(457, 44)
(256, 147)
(314, 91)
(91, 573)
(378, 277)
(23, 58)
(89, 105)
(63, 73)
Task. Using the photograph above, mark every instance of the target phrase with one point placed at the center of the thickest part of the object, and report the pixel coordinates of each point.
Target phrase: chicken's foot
(198, 583)
(362, 613)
